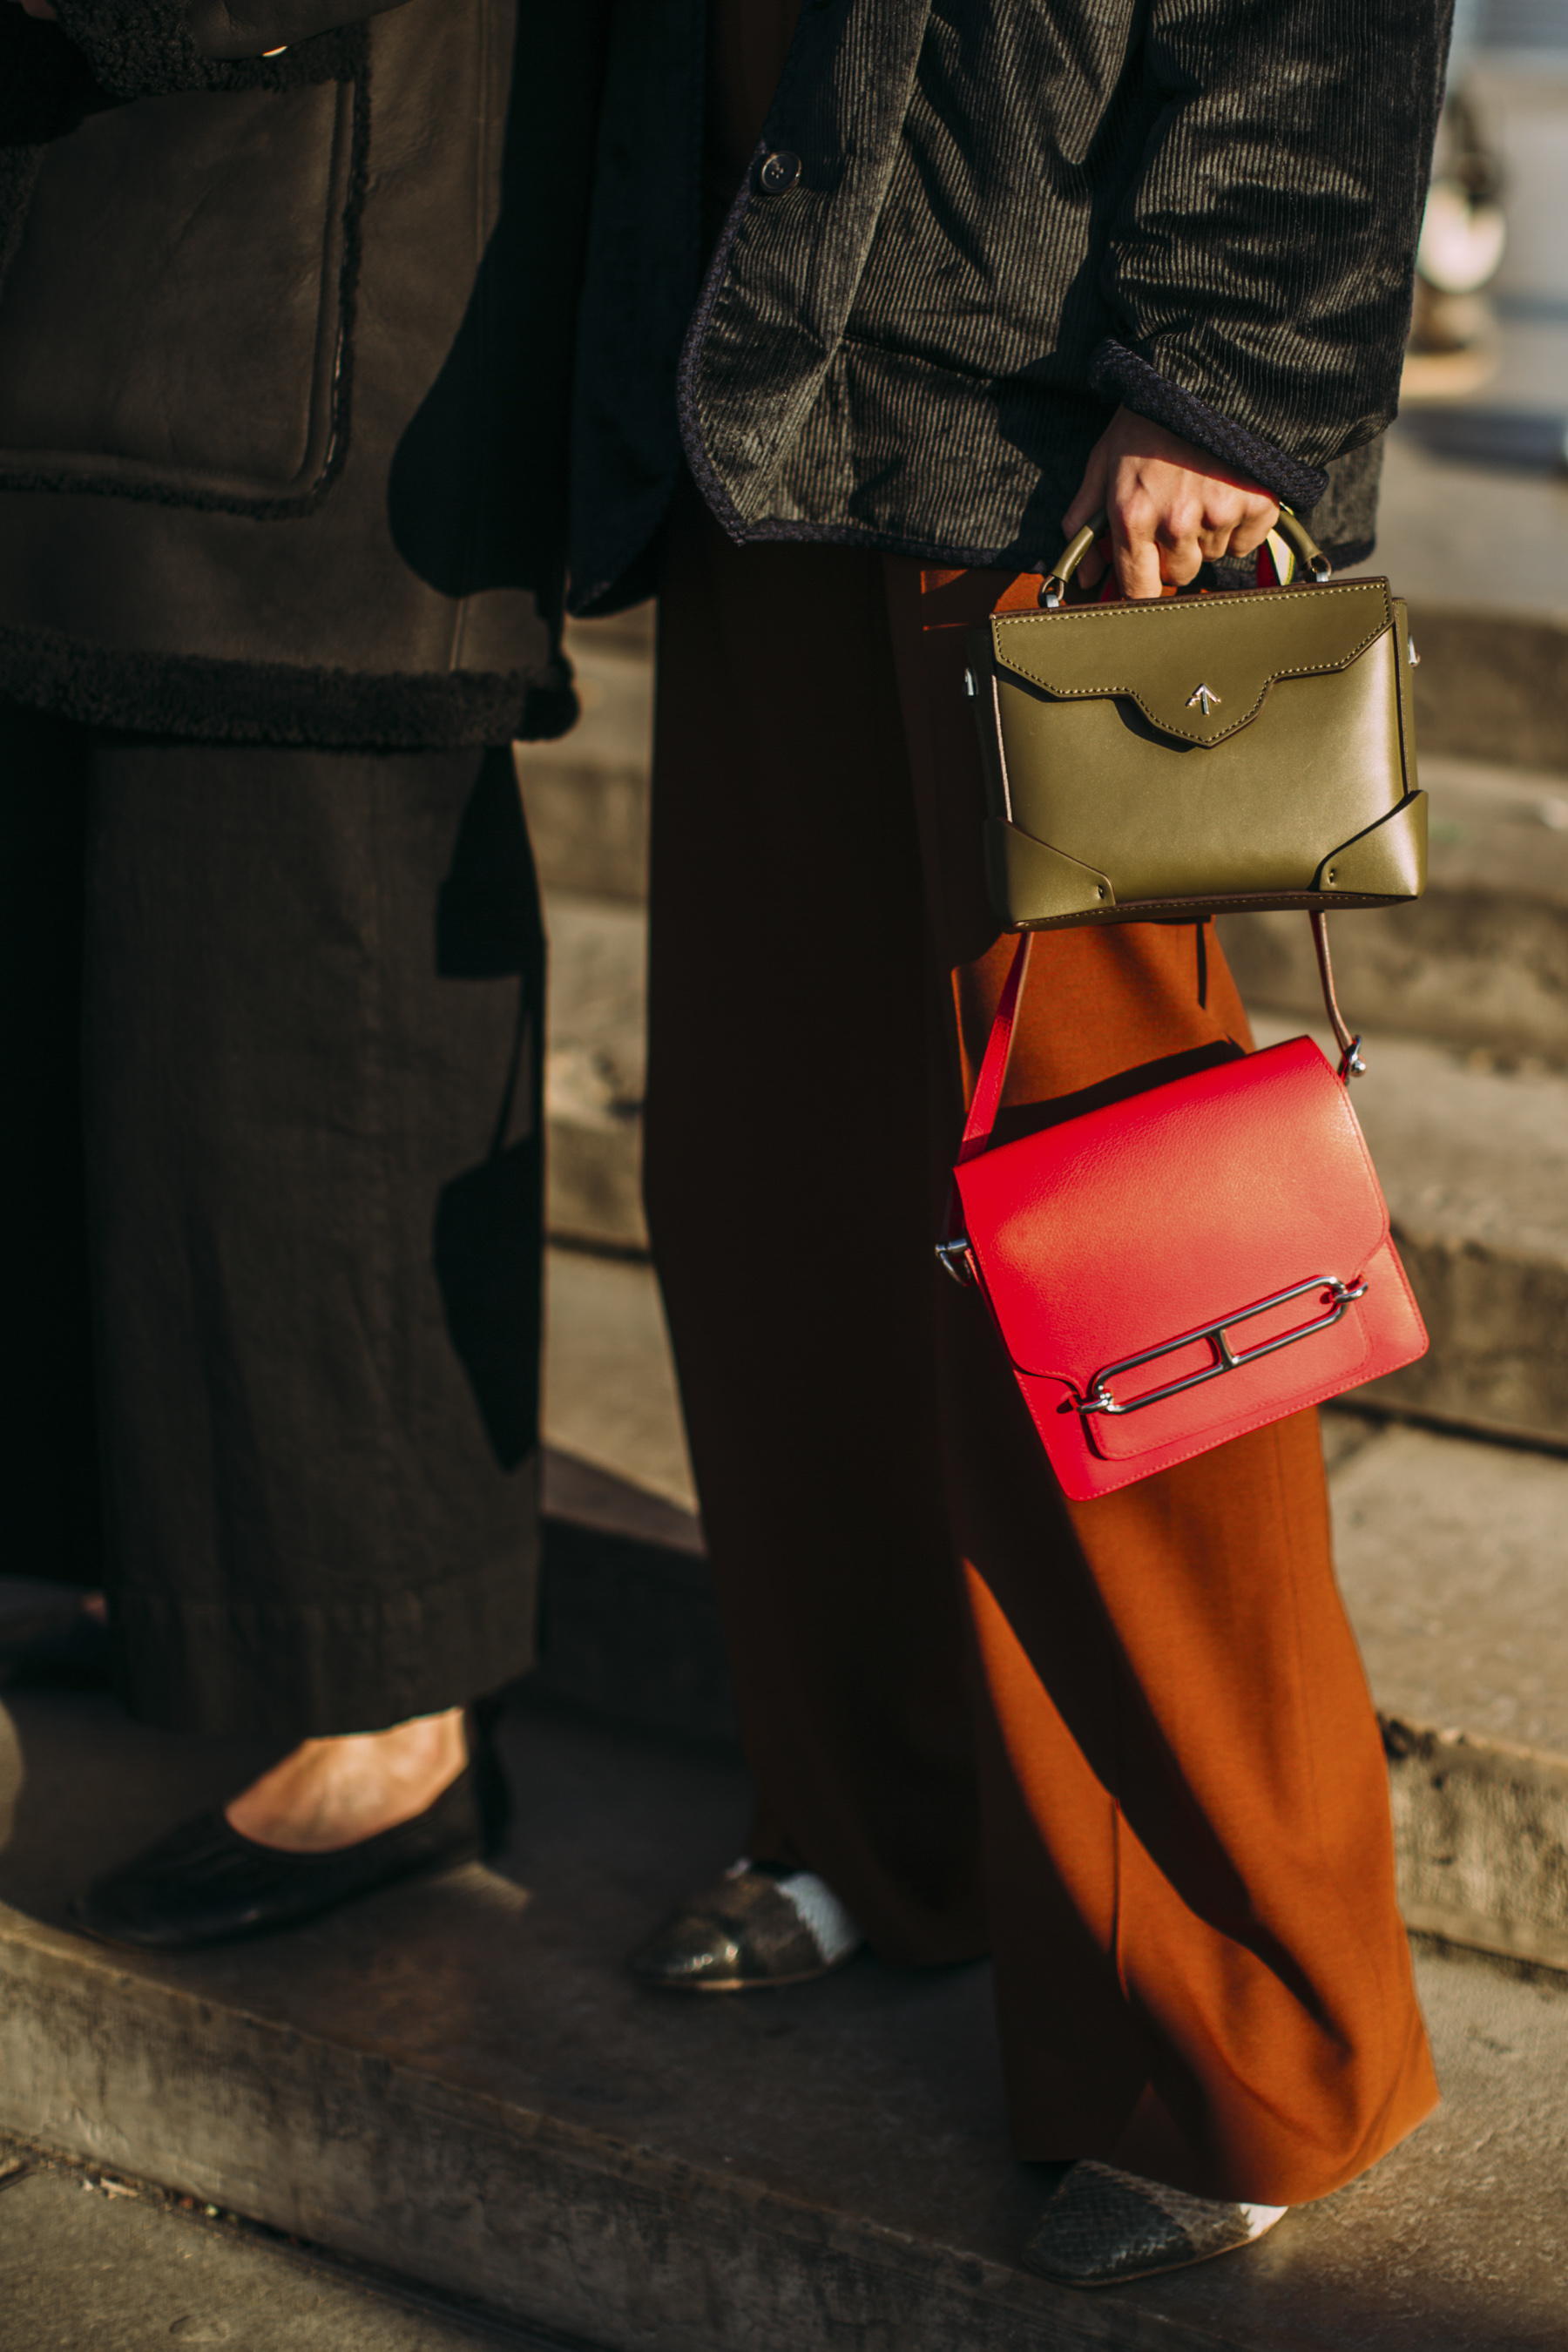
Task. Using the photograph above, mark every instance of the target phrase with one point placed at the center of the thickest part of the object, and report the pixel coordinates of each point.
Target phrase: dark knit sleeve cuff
(1112, 368)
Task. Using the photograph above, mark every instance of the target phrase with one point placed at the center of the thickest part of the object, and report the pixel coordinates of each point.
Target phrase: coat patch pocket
(172, 325)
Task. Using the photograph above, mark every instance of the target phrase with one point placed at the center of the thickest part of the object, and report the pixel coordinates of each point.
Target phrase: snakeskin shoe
(761, 1925)
(1102, 2227)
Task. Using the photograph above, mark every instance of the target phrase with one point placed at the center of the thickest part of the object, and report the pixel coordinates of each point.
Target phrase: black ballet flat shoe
(204, 1884)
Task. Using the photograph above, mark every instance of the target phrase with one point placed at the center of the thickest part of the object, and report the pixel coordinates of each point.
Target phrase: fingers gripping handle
(1054, 588)
(1290, 528)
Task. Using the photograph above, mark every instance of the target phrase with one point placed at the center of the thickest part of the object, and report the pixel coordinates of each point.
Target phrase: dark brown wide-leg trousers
(1126, 1746)
(268, 1054)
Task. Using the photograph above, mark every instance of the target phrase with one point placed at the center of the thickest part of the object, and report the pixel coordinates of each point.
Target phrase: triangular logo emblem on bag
(1203, 699)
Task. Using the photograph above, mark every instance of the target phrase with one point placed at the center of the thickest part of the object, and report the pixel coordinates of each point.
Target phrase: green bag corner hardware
(1191, 755)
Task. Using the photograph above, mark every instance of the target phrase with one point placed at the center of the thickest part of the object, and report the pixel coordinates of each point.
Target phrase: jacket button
(779, 174)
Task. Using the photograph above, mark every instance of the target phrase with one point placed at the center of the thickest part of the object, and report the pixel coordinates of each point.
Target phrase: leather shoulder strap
(988, 1086)
(993, 1076)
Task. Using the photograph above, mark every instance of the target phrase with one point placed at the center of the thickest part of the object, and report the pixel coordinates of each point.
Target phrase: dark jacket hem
(202, 701)
(640, 582)
(1112, 368)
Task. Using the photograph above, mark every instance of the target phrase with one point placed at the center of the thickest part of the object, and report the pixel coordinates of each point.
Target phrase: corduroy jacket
(973, 227)
(285, 348)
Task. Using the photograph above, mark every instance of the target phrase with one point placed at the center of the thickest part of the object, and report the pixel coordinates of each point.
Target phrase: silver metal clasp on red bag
(1339, 1294)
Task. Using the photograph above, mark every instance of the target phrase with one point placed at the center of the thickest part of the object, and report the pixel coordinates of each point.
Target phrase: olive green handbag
(1184, 757)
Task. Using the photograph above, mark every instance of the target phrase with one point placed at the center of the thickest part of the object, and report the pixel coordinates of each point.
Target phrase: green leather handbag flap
(1197, 667)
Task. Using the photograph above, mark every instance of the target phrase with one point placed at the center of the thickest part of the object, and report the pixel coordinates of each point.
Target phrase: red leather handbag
(1170, 1271)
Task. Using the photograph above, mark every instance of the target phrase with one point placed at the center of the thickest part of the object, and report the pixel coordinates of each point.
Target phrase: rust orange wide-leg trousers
(1126, 1746)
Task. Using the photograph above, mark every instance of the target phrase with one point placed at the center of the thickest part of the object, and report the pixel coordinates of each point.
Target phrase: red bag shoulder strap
(993, 1076)
(988, 1086)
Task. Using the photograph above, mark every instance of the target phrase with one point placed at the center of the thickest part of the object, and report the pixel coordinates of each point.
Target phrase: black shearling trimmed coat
(284, 356)
(992, 220)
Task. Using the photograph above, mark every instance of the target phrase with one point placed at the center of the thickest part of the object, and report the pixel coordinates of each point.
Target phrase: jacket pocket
(174, 323)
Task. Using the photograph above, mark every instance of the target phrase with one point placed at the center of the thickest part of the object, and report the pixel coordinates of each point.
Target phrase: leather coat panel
(407, 589)
(243, 196)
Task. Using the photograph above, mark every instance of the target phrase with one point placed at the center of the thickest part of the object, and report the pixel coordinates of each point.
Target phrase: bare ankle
(333, 1793)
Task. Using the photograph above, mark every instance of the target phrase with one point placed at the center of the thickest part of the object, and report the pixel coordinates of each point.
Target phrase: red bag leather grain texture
(1170, 1213)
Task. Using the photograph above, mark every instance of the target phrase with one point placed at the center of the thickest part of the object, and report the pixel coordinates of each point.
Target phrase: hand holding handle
(1290, 527)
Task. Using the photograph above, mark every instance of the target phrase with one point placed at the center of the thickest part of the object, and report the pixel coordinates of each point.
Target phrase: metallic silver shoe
(1103, 2227)
(759, 1926)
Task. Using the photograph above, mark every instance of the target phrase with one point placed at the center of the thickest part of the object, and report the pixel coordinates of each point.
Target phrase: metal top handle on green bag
(1162, 759)
(1290, 527)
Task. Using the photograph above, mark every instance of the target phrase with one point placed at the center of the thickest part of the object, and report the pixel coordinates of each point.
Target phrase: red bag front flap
(1162, 1214)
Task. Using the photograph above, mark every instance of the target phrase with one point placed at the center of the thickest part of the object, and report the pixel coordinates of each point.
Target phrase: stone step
(1491, 692)
(1453, 1554)
(610, 1393)
(1473, 527)
(1482, 959)
(89, 2258)
(1474, 1163)
(594, 1070)
(1473, 1155)
(1493, 684)
(587, 794)
(458, 2081)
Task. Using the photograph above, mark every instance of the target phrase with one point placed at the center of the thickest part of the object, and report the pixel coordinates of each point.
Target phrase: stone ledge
(458, 2081)
(592, 1186)
(1473, 1163)
(1481, 1833)
(1491, 683)
(541, 2219)
(1481, 962)
(632, 1632)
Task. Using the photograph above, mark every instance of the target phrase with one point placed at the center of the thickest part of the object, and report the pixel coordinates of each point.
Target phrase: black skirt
(271, 1028)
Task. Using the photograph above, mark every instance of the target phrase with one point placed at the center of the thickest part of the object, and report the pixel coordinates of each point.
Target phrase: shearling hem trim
(202, 701)
(1112, 368)
(147, 50)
